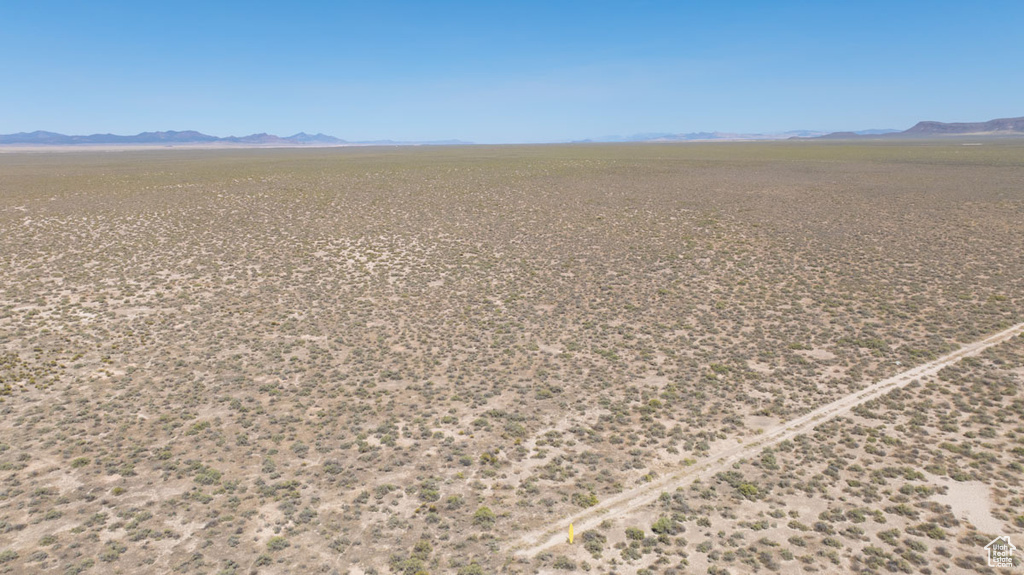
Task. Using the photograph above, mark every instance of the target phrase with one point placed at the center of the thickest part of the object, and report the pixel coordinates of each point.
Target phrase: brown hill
(1001, 126)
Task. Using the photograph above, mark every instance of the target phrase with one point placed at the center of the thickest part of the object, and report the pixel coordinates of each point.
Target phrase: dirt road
(555, 533)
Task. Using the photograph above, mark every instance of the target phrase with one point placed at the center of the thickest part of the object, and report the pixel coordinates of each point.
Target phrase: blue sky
(504, 71)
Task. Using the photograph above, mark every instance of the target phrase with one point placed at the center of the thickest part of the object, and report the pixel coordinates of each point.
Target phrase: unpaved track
(556, 533)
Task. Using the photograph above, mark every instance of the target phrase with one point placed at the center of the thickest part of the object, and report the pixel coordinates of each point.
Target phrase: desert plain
(424, 360)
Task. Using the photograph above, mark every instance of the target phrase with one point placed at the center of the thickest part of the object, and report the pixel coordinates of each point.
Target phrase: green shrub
(277, 543)
(564, 563)
(422, 549)
(112, 551)
(484, 517)
(473, 568)
(594, 542)
(584, 499)
(748, 490)
(664, 526)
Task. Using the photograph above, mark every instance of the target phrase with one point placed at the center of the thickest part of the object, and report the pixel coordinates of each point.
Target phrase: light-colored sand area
(970, 501)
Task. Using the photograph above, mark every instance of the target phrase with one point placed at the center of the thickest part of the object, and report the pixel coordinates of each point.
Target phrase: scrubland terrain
(402, 360)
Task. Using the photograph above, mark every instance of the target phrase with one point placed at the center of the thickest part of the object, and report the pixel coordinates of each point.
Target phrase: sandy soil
(970, 501)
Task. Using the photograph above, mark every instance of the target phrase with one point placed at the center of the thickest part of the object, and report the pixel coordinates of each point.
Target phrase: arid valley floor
(409, 360)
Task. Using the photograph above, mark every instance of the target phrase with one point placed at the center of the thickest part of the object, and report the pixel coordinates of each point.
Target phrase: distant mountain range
(721, 136)
(1004, 127)
(41, 138)
(1012, 127)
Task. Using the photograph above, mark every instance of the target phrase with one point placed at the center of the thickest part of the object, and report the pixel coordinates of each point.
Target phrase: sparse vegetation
(232, 361)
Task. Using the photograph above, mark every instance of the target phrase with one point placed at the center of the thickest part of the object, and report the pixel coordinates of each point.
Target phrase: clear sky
(508, 71)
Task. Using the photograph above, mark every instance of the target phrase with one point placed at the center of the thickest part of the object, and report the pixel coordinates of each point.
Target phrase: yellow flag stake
(570, 534)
